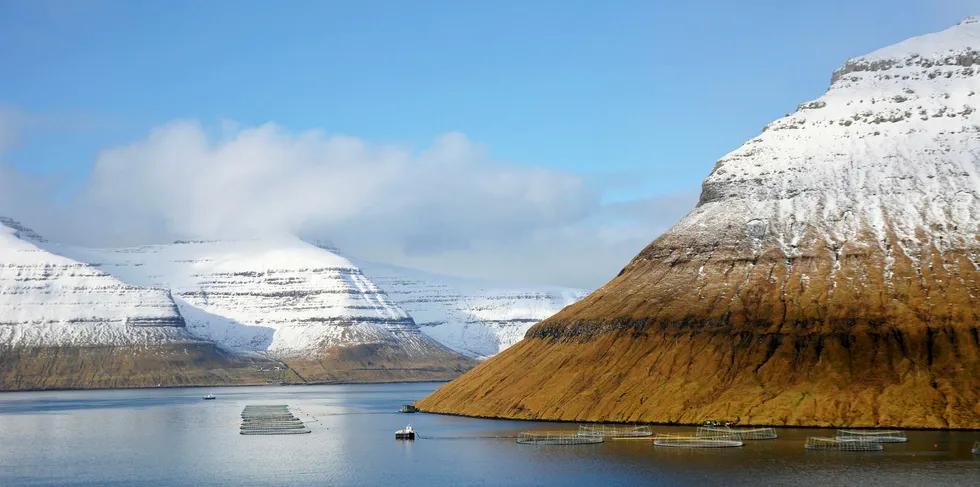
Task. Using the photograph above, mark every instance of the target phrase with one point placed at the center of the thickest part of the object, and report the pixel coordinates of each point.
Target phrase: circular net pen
(835, 444)
(876, 436)
(696, 442)
(737, 433)
(614, 431)
(556, 438)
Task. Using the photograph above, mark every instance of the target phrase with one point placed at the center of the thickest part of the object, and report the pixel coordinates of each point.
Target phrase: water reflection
(162, 437)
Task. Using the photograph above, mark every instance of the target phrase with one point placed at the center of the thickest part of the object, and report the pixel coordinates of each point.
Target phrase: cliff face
(66, 324)
(472, 316)
(829, 276)
(289, 301)
(200, 313)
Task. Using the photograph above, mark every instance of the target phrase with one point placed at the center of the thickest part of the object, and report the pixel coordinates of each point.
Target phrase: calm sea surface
(163, 437)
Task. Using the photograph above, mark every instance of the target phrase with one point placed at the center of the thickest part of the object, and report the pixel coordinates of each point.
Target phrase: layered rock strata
(829, 275)
(474, 317)
(66, 324)
(287, 300)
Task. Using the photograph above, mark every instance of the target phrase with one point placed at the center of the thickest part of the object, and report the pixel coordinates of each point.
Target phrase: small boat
(405, 434)
(209, 397)
(408, 408)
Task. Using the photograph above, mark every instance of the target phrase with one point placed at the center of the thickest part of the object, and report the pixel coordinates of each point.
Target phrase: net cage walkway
(836, 444)
(556, 438)
(737, 433)
(271, 420)
(876, 436)
(696, 441)
(614, 431)
(476, 437)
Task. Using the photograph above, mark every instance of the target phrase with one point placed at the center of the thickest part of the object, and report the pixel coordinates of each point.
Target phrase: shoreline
(741, 425)
(201, 386)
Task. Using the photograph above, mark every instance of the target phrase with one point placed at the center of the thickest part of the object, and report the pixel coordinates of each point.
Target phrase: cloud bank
(449, 208)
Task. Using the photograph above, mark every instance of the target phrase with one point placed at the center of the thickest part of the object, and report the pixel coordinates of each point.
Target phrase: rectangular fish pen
(614, 431)
(835, 444)
(696, 442)
(556, 438)
(737, 433)
(877, 436)
(274, 432)
(271, 420)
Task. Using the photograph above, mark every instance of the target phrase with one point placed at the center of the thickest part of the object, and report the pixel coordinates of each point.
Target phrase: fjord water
(162, 437)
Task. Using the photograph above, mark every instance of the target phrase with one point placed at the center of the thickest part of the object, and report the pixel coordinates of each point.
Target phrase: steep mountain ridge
(829, 275)
(475, 317)
(64, 323)
(288, 300)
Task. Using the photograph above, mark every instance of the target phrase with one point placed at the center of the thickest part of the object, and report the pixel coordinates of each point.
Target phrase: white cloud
(21, 196)
(449, 208)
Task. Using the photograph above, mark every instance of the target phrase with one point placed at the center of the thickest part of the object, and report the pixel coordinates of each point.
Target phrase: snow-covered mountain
(887, 157)
(474, 317)
(200, 312)
(830, 274)
(50, 300)
(67, 324)
(280, 296)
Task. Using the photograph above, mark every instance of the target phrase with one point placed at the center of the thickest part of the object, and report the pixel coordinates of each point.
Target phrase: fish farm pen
(877, 436)
(614, 431)
(836, 444)
(696, 442)
(556, 438)
(737, 433)
(271, 420)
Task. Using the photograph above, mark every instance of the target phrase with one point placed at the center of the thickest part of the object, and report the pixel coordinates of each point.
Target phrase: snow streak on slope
(281, 296)
(473, 317)
(50, 300)
(892, 150)
(829, 275)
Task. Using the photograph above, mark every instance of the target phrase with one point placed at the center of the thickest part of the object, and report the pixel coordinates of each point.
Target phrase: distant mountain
(829, 275)
(288, 300)
(474, 317)
(66, 324)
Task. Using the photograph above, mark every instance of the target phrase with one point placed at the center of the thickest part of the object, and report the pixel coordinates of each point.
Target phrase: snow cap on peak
(959, 38)
(957, 45)
(323, 244)
(19, 230)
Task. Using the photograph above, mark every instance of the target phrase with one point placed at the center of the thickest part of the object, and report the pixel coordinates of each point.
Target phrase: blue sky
(637, 98)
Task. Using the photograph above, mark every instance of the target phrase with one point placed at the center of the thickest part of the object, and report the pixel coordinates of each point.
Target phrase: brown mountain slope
(829, 276)
(109, 366)
(649, 346)
(204, 364)
(379, 362)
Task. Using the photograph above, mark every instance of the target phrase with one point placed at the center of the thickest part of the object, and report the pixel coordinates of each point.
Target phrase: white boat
(405, 434)
(209, 397)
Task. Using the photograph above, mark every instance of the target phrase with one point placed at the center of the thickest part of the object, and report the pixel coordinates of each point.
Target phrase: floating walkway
(836, 444)
(696, 441)
(737, 433)
(556, 438)
(614, 431)
(876, 436)
(271, 420)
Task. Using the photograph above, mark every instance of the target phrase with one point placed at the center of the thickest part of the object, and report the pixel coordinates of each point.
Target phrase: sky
(544, 141)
